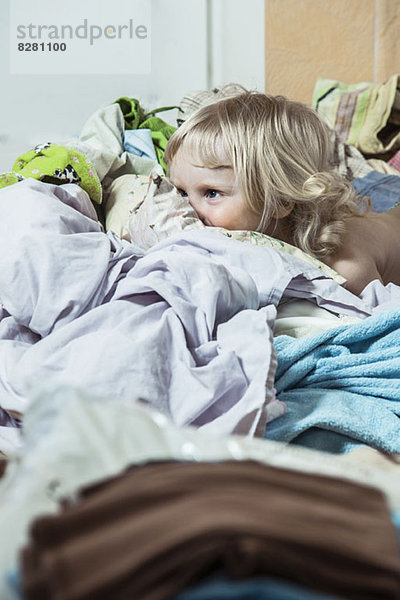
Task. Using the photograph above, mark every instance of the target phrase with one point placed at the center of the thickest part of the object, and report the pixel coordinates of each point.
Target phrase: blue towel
(257, 588)
(341, 387)
(13, 579)
(396, 523)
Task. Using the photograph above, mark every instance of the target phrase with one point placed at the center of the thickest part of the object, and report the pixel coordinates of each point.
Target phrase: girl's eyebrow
(204, 184)
(216, 169)
(216, 185)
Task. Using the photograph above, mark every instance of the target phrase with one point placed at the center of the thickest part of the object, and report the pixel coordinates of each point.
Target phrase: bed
(186, 412)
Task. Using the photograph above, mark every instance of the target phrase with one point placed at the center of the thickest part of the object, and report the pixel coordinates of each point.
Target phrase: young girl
(262, 163)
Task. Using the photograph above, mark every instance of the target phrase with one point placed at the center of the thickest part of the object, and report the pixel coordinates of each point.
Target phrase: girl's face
(213, 193)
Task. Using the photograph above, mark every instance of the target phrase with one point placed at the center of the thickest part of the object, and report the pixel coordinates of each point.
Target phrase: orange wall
(348, 40)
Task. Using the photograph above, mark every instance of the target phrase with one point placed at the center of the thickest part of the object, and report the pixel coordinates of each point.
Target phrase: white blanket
(187, 327)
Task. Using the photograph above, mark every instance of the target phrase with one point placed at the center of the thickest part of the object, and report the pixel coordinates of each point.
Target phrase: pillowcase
(147, 210)
(123, 194)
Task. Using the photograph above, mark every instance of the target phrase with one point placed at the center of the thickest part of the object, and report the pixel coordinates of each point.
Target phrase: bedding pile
(155, 305)
(195, 312)
(141, 356)
(77, 457)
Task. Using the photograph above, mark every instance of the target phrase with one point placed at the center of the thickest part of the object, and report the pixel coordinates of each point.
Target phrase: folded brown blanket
(156, 528)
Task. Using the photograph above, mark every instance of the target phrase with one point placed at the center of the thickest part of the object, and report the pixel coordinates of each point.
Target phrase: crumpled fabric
(345, 380)
(102, 141)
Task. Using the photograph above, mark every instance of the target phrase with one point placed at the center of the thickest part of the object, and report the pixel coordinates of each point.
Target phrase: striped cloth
(395, 161)
(365, 115)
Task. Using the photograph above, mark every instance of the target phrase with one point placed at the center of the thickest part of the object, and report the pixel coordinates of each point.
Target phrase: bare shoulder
(360, 253)
(358, 271)
(369, 250)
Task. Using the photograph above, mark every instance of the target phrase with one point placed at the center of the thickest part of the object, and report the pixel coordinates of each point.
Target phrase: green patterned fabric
(8, 179)
(52, 163)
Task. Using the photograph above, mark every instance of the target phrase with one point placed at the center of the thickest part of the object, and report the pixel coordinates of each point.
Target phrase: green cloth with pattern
(136, 118)
(52, 163)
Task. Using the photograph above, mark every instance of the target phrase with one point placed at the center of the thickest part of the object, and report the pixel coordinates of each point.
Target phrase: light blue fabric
(139, 142)
(383, 189)
(345, 380)
(14, 581)
(396, 523)
(222, 588)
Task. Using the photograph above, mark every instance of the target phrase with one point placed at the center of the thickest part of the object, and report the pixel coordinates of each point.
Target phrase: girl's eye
(182, 193)
(212, 194)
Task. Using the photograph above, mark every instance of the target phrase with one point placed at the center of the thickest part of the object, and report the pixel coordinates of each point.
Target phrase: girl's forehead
(189, 176)
(210, 155)
(185, 160)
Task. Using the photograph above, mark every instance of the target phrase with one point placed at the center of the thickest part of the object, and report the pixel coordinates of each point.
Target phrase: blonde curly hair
(280, 151)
